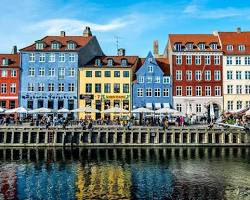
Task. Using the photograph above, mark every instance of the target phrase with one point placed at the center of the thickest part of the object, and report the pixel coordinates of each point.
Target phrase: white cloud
(190, 9)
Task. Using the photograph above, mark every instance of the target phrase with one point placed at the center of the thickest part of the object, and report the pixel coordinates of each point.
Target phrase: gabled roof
(14, 60)
(235, 39)
(79, 40)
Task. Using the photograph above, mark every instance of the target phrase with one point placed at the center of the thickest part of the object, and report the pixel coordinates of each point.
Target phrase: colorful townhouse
(236, 69)
(49, 69)
(152, 87)
(105, 82)
(9, 79)
(196, 68)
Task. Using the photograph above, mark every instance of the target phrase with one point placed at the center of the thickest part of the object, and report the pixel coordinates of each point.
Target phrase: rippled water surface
(138, 173)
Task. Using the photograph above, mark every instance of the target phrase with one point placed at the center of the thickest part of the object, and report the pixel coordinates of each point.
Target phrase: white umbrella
(142, 110)
(16, 110)
(1, 110)
(189, 111)
(166, 110)
(41, 110)
(212, 110)
(86, 110)
(63, 110)
(115, 110)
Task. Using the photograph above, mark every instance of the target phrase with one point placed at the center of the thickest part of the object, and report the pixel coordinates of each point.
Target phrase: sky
(136, 24)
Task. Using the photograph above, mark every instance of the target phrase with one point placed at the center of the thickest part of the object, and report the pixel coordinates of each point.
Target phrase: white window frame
(139, 92)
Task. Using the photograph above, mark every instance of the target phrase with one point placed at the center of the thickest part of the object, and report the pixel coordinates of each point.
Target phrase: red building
(196, 68)
(9, 79)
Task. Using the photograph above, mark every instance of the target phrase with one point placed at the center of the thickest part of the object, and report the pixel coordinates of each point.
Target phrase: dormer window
(39, 45)
(177, 47)
(98, 62)
(189, 46)
(5, 62)
(241, 47)
(124, 62)
(201, 46)
(71, 46)
(213, 46)
(230, 47)
(55, 45)
(110, 62)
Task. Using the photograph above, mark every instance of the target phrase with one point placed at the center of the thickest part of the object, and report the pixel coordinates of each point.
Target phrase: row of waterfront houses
(195, 72)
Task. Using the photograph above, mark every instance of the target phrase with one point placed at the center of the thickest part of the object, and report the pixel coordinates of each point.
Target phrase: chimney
(87, 32)
(156, 48)
(238, 30)
(62, 34)
(215, 33)
(14, 50)
(121, 52)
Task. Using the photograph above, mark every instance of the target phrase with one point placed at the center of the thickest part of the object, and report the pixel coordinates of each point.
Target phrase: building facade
(236, 69)
(105, 82)
(152, 87)
(196, 67)
(50, 70)
(9, 79)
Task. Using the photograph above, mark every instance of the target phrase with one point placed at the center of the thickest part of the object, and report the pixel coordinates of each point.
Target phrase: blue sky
(136, 23)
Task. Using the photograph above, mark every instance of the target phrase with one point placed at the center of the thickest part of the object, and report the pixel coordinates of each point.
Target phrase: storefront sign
(86, 96)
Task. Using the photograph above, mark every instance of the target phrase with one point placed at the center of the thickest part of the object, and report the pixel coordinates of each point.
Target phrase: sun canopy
(142, 110)
(166, 110)
(1, 110)
(16, 110)
(41, 110)
(63, 110)
(115, 110)
(86, 110)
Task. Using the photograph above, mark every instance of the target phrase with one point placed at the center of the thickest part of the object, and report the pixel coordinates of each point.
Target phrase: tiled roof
(235, 39)
(195, 39)
(13, 60)
(79, 40)
(162, 62)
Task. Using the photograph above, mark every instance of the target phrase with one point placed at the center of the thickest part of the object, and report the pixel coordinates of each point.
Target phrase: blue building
(49, 70)
(152, 88)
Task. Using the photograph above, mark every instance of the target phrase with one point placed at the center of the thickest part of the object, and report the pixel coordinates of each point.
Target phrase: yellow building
(106, 82)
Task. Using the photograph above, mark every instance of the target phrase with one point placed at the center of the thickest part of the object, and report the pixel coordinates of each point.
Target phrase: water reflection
(128, 173)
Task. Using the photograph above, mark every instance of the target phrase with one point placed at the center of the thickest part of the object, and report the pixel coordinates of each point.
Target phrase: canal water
(128, 173)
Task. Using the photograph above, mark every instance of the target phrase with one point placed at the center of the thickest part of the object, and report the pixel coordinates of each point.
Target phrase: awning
(149, 105)
(157, 106)
(166, 105)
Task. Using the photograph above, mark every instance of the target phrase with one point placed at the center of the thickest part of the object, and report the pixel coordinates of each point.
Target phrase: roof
(235, 39)
(79, 40)
(14, 60)
(195, 39)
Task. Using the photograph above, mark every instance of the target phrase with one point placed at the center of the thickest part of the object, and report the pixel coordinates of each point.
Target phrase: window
(116, 88)
(178, 91)
(247, 60)
(197, 75)
(241, 47)
(60, 87)
(238, 75)
(42, 71)
(125, 88)
(247, 104)
(189, 46)
(61, 73)
(55, 45)
(51, 104)
(157, 92)
(71, 46)
(88, 73)
(247, 89)
(140, 79)
(178, 60)
(149, 79)
(178, 75)
(238, 60)
(71, 87)
(52, 72)
(31, 87)
(41, 87)
(139, 92)
(189, 90)
(116, 73)
(198, 90)
(189, 60)
(207, 75)
(30, 104)
(165, 92)
(51, 87)
(166, 80)
(238, 89)
(229, 89)
(208, 90)
(189, 75)
(178, 47)
(198, 108)
(98, 88)
(39, 103)
(31, 57)
(197, 60)
(39, 45)
(150, 69)
(229, 47)
(229, 75)
(3, 88)
(88, 88)
(72, 57)
(13, 88)
(124, 63)
(4, 73)
(107, 88)
(110, 62)
(52, 57)
(230, 105)
(71, 72)
(247, 75)
(216, 60)
(157, 79)
(125, 74)
(179, 107)
(239, 105)
(201, 46)
(98, 62)
(61, 57)
(98, 74)
(213, 46)
(229, 60)
(42, 57)
(207, 60)
(217, 75)
(149, 92)
(217, 91)
(13, 73)
(107, 74)
(31, 71)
